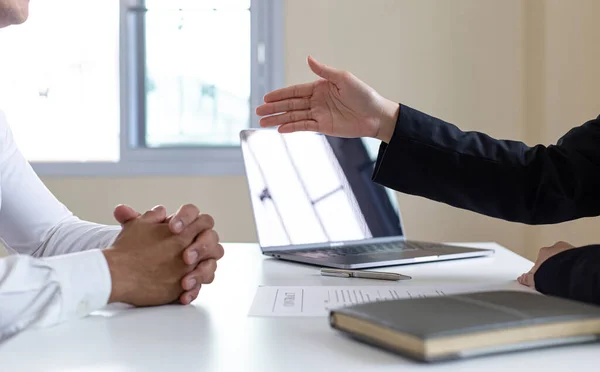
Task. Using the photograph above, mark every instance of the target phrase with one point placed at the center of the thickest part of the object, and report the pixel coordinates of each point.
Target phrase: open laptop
(314, 202)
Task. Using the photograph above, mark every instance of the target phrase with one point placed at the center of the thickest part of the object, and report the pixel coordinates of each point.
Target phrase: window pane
(198, 72)
(59, 80)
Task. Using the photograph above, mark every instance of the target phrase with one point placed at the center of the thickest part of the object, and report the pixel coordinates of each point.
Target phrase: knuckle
(190, 208)
(196, 228)
(210, 238)
(209, 275)
(215, 236)
(157, 208)
(202, 250)
(148, 213)
(208, 220)
(220, 251)
(209, 266)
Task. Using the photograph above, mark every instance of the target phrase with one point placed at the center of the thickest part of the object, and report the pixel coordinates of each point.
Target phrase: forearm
(32, 220)
(74, 235)
(44, 292)
(499, 178)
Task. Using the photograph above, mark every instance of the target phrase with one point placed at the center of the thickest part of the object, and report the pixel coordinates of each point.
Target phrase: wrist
(387, 122)
(118, 276)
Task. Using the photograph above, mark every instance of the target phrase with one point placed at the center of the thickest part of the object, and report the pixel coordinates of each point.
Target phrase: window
(146, 87)
(197, 88)
(59, 88)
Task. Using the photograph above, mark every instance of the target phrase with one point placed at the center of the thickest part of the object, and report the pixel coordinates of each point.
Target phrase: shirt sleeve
(32, 220)
(58, 272)
(43, 292)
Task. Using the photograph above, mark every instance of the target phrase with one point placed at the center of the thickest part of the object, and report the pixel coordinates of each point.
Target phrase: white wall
(483, 64)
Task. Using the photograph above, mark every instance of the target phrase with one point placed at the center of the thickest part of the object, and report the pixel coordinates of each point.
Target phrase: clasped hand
(158, 259)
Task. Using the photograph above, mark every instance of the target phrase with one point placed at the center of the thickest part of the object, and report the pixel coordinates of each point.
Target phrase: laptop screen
(307, 188)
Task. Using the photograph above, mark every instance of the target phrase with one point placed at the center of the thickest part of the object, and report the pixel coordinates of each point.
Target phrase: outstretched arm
(425, 156)
(505, 179)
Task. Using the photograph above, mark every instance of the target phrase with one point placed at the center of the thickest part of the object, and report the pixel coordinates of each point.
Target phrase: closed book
(467, 325)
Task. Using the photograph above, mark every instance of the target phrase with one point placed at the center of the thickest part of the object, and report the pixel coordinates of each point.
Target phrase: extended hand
(203, 253)
(338, 105)
(544, 254)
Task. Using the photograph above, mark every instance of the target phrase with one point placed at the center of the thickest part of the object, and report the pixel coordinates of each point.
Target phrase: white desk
(215, 334)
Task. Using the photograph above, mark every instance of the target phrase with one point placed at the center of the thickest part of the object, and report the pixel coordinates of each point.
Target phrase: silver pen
(342, 273)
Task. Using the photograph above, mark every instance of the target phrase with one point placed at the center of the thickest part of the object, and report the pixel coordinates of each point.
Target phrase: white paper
(273, 301)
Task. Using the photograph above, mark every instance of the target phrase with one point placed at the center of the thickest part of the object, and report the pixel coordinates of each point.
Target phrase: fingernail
(191, 283)
(178, 225)
(188, 299)
(156, 207)
(192, 256)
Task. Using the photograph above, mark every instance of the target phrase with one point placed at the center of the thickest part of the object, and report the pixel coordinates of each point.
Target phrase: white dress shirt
(36, 290)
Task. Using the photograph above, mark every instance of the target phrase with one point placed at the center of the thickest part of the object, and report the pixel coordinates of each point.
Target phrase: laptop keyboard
(363, 249)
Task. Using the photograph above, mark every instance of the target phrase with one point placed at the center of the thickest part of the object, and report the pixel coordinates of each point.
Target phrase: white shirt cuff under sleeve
(42, 292)
(85, 282)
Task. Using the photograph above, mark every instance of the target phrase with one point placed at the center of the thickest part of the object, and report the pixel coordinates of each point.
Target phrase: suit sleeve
(499, 178)
(573, 274)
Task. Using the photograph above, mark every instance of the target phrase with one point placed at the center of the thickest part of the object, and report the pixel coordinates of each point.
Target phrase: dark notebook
(467, 325)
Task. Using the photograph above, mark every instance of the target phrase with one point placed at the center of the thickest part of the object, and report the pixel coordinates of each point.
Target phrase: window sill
(141, 168)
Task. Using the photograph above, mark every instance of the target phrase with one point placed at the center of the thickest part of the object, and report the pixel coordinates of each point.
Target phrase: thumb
(324, 71)
(124, 213)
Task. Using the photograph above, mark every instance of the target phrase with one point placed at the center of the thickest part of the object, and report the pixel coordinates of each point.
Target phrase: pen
(342, 273)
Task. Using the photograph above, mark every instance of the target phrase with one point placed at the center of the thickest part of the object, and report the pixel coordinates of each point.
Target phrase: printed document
(315, 301)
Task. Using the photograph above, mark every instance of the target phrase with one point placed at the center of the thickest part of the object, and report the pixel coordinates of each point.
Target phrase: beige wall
(515, 69)
(571, 55)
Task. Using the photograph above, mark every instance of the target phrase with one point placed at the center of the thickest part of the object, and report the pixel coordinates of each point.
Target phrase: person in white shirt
(60, 267)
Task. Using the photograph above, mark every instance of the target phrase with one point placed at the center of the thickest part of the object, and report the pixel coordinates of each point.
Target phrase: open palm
(338, 105)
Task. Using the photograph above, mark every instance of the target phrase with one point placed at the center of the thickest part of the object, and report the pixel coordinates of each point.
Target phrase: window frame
(266, 74)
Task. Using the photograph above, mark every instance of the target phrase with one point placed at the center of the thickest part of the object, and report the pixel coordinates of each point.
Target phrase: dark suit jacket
(504, 179)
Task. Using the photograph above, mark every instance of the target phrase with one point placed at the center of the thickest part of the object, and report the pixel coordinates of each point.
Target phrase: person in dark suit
(425, 156)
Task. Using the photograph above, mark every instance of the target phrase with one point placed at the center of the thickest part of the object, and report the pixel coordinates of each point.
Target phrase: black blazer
(504, 179)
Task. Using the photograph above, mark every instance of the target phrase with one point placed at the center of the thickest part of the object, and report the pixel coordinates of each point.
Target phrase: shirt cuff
(85, 282)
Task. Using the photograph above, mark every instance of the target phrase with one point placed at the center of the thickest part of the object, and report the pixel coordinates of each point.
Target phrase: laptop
(314, 202)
